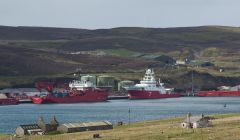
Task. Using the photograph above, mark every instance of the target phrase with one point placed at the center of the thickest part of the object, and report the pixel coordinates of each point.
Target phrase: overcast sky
(93, 14)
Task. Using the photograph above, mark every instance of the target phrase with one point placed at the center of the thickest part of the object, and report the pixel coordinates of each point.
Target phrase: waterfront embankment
(225, 126)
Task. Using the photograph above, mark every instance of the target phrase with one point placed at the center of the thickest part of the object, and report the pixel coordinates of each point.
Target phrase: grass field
(225, 127)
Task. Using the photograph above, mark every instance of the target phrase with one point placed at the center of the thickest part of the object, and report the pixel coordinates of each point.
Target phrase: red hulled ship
(218, 93)
(223, 91)
(149, 88)
(4, 100)
(77, 92)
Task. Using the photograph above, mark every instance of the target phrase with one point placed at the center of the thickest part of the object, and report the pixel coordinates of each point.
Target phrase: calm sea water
(115, 110)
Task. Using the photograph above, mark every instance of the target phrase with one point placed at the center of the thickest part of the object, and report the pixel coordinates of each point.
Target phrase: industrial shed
(88, 126)
(30, 129)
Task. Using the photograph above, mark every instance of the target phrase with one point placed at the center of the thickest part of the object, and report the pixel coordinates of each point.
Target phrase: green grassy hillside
(35, 52)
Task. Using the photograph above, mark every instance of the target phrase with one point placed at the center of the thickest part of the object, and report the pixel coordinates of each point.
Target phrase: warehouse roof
(87, 124)
(30, 126)
(196, 119)
(13, 90)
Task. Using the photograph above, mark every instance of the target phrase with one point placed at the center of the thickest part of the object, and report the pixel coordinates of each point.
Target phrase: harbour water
(115, 110)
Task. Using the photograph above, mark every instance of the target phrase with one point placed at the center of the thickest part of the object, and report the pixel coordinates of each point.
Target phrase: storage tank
(125, 83)
(105, 80)
(91, 78)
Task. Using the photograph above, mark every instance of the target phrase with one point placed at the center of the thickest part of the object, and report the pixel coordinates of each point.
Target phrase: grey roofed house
(193, 119)
(28, 129)
(37, 129)
(87, 126)
(46, 128)
(196, 122)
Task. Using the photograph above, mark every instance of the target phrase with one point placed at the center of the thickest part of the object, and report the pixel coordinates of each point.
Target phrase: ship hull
(218, 93)
(8, 101)
(136, 94)
(88, 96)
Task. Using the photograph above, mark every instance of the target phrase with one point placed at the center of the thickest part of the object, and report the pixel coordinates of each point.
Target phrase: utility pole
(129, 112)
(192, 83)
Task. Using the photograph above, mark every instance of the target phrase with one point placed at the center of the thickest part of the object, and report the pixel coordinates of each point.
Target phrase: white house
(181, 62)
(196, 122)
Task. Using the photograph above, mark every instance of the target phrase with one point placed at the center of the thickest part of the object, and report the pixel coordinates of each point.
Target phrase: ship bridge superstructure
(80, 85)
(149, 83)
